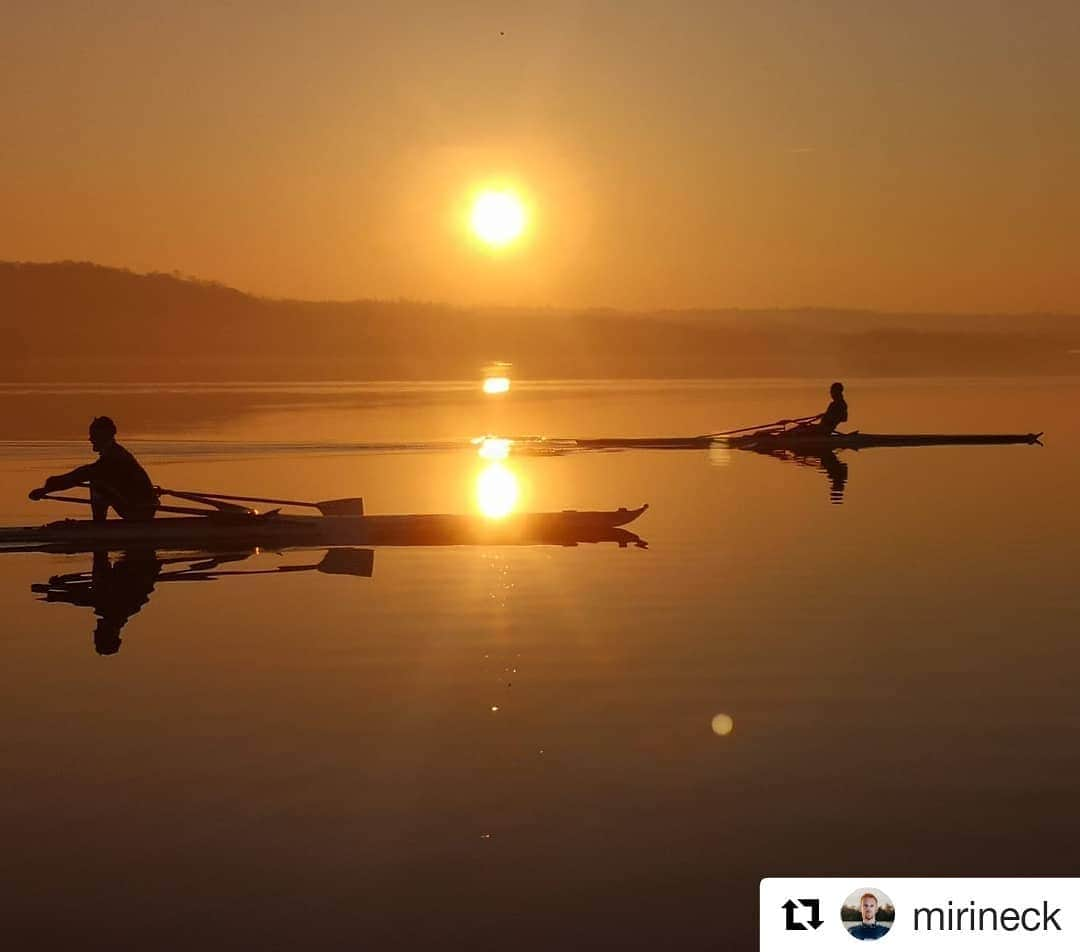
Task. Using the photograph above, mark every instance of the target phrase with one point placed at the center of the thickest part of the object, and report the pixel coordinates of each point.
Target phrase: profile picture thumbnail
(868, 914)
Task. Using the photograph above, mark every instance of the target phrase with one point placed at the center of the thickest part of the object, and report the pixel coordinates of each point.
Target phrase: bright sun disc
(498, 217)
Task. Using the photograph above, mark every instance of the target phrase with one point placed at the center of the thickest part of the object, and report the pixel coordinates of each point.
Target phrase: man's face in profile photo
(868, 907)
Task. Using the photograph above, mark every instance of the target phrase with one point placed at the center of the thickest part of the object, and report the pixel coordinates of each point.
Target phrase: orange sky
(868, 154)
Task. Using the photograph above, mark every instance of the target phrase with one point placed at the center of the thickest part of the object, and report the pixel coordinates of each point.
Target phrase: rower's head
(107, 638)
(102, 433)
(868, 907)
(837, 389)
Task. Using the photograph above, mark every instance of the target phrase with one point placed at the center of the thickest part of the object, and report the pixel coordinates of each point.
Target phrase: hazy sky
(895, 155)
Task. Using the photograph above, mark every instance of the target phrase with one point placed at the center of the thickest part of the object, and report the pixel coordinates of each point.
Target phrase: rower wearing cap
(115, 480)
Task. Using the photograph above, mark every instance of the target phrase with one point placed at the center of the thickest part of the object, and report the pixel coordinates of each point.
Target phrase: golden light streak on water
(496, 491)
(497, 377)
(494, 448)
(720, 455)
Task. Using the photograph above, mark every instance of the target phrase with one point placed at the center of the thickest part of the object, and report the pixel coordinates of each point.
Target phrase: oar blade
(341, 507)
(358, 562)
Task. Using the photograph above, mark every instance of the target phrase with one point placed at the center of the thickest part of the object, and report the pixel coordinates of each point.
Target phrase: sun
(498, 217)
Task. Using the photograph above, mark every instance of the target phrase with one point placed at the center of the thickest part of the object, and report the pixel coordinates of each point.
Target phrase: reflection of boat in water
(277, 530)
(116, 588)
(818, 450)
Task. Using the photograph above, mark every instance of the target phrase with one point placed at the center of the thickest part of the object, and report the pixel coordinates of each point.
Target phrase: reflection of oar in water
(358, 562)
(355, 562)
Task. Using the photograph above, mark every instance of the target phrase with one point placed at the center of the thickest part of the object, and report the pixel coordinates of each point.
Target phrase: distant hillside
(81, 321)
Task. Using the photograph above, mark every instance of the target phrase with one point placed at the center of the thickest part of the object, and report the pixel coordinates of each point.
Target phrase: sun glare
(493, 447)
(496, 491)
(498, 217)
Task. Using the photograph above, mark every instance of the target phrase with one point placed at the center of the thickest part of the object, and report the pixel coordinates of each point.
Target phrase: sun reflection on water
(497, 377)
(496, 491)
(493, 447)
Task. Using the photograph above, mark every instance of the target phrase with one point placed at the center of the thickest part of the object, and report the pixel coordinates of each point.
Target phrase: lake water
(544, 747)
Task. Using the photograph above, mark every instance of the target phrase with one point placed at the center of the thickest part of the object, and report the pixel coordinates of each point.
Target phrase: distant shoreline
(82, 322)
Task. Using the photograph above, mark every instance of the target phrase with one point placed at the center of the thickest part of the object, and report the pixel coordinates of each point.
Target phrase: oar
(764, 426)
(328, 507)
(183, 510)
(356, 562)
(203, 566)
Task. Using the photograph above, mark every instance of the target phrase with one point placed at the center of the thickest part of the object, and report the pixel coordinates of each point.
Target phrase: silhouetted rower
(115, 480)
(835, 413)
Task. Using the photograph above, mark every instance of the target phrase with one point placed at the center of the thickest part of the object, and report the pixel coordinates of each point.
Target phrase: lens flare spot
(723, 724)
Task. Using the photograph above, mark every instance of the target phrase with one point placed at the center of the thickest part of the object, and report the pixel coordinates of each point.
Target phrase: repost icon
(797, 918)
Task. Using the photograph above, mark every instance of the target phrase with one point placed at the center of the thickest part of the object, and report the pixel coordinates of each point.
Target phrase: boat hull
(855, 441)
(790, 439)
(274, 530)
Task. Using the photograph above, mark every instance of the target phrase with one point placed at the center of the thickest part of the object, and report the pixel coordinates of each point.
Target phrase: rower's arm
(78, 476)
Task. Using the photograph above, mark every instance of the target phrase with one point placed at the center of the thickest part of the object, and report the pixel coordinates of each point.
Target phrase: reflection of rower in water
(825, 460)
(836, 469)
(115, 480)
(115, 590)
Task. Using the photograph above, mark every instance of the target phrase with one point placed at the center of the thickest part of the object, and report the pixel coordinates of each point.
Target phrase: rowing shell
(856, 441)
(273, 530)
(791, 439)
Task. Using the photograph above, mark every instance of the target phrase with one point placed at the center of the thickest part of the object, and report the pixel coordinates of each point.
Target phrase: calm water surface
(514, 747)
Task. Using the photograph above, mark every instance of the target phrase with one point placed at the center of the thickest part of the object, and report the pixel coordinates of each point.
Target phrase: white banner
(905, 915)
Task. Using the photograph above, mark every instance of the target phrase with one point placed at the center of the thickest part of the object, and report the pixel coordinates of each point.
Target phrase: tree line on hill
(80, 321)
